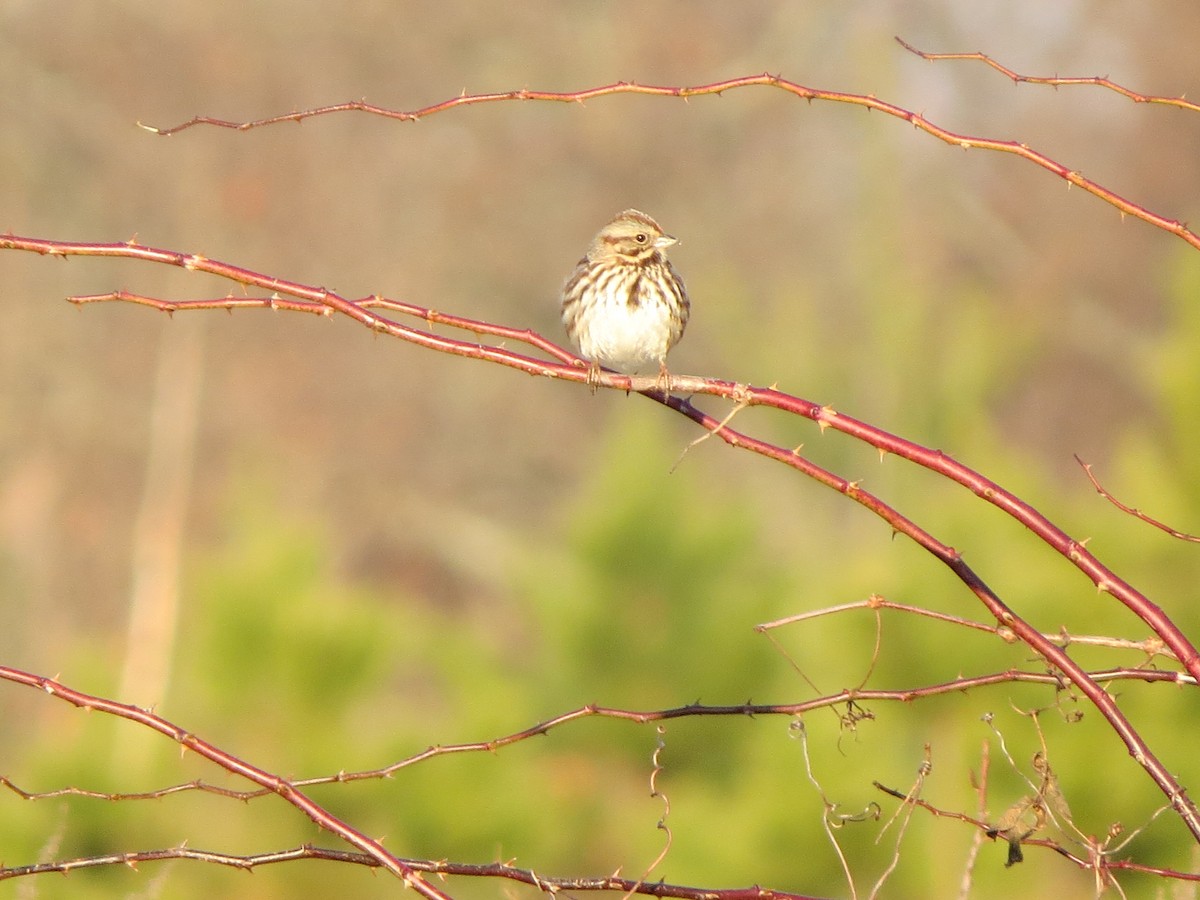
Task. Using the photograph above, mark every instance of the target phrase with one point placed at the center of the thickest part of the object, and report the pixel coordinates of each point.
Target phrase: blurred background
(324, 550)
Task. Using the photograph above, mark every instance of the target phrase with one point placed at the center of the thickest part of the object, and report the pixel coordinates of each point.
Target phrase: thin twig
(547, 884)
(1130, 510)
(692, 710)
(716, 89)
(1055, 80)
(1151, 647)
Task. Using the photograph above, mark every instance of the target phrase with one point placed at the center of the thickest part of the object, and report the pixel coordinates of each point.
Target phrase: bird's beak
(665, 241)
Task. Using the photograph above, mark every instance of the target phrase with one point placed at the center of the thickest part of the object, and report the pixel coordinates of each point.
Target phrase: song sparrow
(625, 306)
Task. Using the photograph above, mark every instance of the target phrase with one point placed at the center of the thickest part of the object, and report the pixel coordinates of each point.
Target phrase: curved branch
(868, 101)
(547, 884)
(573, 369)
(746, 395)
(855, 696)
(285, 789)
(1055, 80)
(1133, 510)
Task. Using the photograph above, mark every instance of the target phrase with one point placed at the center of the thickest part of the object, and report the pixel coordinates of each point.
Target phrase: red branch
(747, 395)
(1132, 510)
(231, 763)
(1055, 80)
(548, 885)
(869, 101)
(374, 856)
(848, 696)
(744, 395)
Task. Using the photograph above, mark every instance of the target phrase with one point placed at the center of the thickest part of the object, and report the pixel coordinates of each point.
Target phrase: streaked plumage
(625, 306)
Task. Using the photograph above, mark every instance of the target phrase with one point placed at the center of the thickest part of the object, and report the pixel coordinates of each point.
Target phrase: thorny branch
(1056, 80)
(692, 710)
(826, 417)
(766, 79)
(548, 884)
(273, 783)
(314, 300)
(1132, 510)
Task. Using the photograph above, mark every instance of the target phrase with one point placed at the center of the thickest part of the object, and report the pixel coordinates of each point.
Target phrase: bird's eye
(642, 237)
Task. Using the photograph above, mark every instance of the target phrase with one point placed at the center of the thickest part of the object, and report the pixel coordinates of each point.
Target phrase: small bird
(625, 306)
